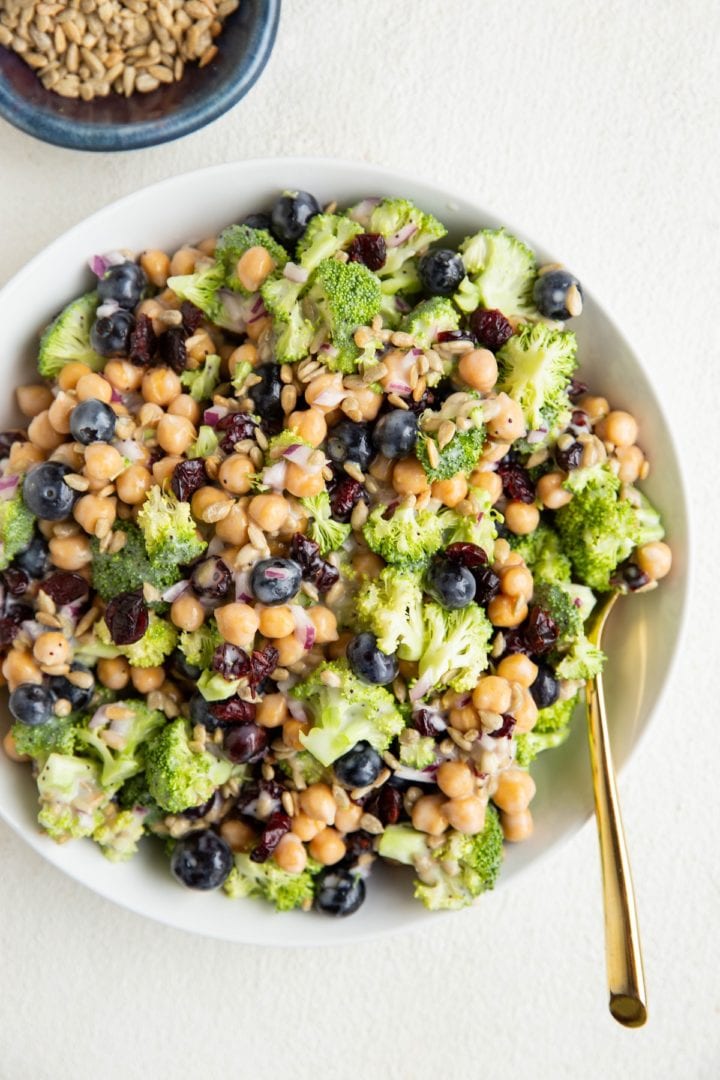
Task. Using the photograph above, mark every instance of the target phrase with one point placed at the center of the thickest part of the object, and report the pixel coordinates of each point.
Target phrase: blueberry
(200, 711)
(451, 584)
(79, 697)
(550, 293)
(258, 221)
(368, 662)
(266, 394)
(545, 689)
(349, 441)
(201, 860)
(395, 433)
(110, 336)
(35, 559)
(291, 214)
(359, 767)
(124, 283)
(441, 272)
(92, 421)
(184, 669)
(45, 492)
(31, 704)
(339, 892)
(275, 581)
(245, 742)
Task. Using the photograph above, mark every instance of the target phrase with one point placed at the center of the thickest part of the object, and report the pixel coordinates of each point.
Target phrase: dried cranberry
(7, 438)
(540, 631)
(505, 728)
(514, 642)
(277, 825)
(490, 327)
(187, 478)
(576, 389)
(245, 742)
(191, 317)
(469, 555)
(231, 661)
(236, 427)
(262, 664)
(516, 481)
(369, 249)
(580, 423)
(16, 581)
(385, 804)
(127, 618)
(569, 458)
(232, 711)
(630, 576)
(428, 723)
(356, 844)
(487, 584)
(171, 347)
(345, 493)
(314, 568)
(143, 342)
(454, 335)
(211, 578)
(63, 587)
(9, 629)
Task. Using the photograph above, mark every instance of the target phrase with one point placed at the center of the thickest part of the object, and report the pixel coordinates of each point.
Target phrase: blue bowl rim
(59, 131)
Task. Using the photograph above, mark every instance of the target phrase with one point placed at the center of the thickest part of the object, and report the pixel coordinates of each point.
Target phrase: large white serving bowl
(645, 630)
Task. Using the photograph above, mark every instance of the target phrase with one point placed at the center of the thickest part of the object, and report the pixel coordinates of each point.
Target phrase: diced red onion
(107, 309)
(274, 475)
(536, 436)
(420, 688)
(238, 309)
(296, 708)
(32, 628)
(8, 484)
(211, 416)
(175, 590)
(361, 213)
(99, 718)
(295, 273)
(330, 398)
(402, 305)
(401, 235)
(328, 349)
(418, 776)
(298, 453)
(100, 264)
(129, 449)
(242, 587)
(396, 387)
(304, 627)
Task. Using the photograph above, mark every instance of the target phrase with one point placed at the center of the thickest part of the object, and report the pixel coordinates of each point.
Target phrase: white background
(594, 126)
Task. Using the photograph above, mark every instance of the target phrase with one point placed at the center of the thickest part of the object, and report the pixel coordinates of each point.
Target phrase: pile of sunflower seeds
(91, 48)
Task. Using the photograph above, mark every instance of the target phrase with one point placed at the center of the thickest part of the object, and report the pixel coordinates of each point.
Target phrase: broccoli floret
(135, 793)
(345, 710)
(429, 318)
(293, 336)
(454, 651)
(408, 231)
(232, 244)
(57, 736)
(649, 525)
(16, 527)
(390, 606)
(153, 647)
(280, 296)
(561, 607)
(583, 661)
(71, 797)
(419, 753)
(476, 528)
(129, 568)
(500, 273)
(462, 452)
(202, 382)
(302, 764)
(408, 538)
(325, 235)
(327, 533)
(240, 376)
(207, 290)
(342, 297)
(551, 730)
(597, 529)
(120, 743)
(454, 874)
(206, 443)
(171, 536)
(555, 717)
(215, 687)
(542, 554)
(119, 832)
(198, 646)
(179, 775)
(68, 338)
(283, 890)
(534, 368)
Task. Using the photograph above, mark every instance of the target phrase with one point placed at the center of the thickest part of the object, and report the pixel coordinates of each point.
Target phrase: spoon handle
(626, 978)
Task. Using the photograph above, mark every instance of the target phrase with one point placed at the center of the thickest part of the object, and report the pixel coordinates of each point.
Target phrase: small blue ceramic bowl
(118, 123)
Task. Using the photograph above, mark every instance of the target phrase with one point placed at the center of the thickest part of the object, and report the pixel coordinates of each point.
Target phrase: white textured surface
(596, 129)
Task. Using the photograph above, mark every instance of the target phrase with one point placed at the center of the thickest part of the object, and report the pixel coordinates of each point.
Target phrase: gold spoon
(626, 977)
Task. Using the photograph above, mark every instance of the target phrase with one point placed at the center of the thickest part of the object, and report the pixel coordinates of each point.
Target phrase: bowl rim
(51, 128)
(389, 179)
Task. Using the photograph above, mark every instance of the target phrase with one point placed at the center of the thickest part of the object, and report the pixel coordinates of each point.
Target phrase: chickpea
(184, 405)
(517, 581)
(272, 711)
(328, 383)
(187, 613)
(276, 621)
(235, 474)
(492, 694)
(290, 650)
(160, 386)
(521, 518)
(367, 563)
(253, 267)
(133, 484)
(66, 454)
(238, 623)
(381, 468)
(618, 427)
(23, 455)
(153, 309)
(183, 261)
(515, 790)
(325, 623)
(524, 710)
(427, 815)
(20, 667)
(309, 425)
(238, 834)
(318, 802)
(487, 481)
(233, 529)
(507, 611)
(408, 477)
(466, 815)
(204, 499)
(303, 484)
(464, 718)
(304, 827)
(11, 750)
(654, 559)
(93, 386)
(348, 820)
(150, 415)
(71, 374)
(147, 679)
(201, 345)
(114, 673)
(517, 827)
(550, 491)
(123, 376)
(597, 408)
(244, 354)
(631, 460)
(90, 510)
(270, 512)
(34, 399)
(452, 491)
(157, 267)
(290, 854)
(479, 369)
(328, 847)
(455, 779)
(103, 462)
(509, 423)
(163, 469)
(42, 433)
(292, 730)
(175, 433)
(517, 668)
(70, 552)
(369, 402)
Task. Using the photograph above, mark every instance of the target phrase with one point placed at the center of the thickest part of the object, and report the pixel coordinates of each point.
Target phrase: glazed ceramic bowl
(642, 639)
(118, 123)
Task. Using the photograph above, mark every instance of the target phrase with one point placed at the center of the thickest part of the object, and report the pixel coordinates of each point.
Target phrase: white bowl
(644, 633)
